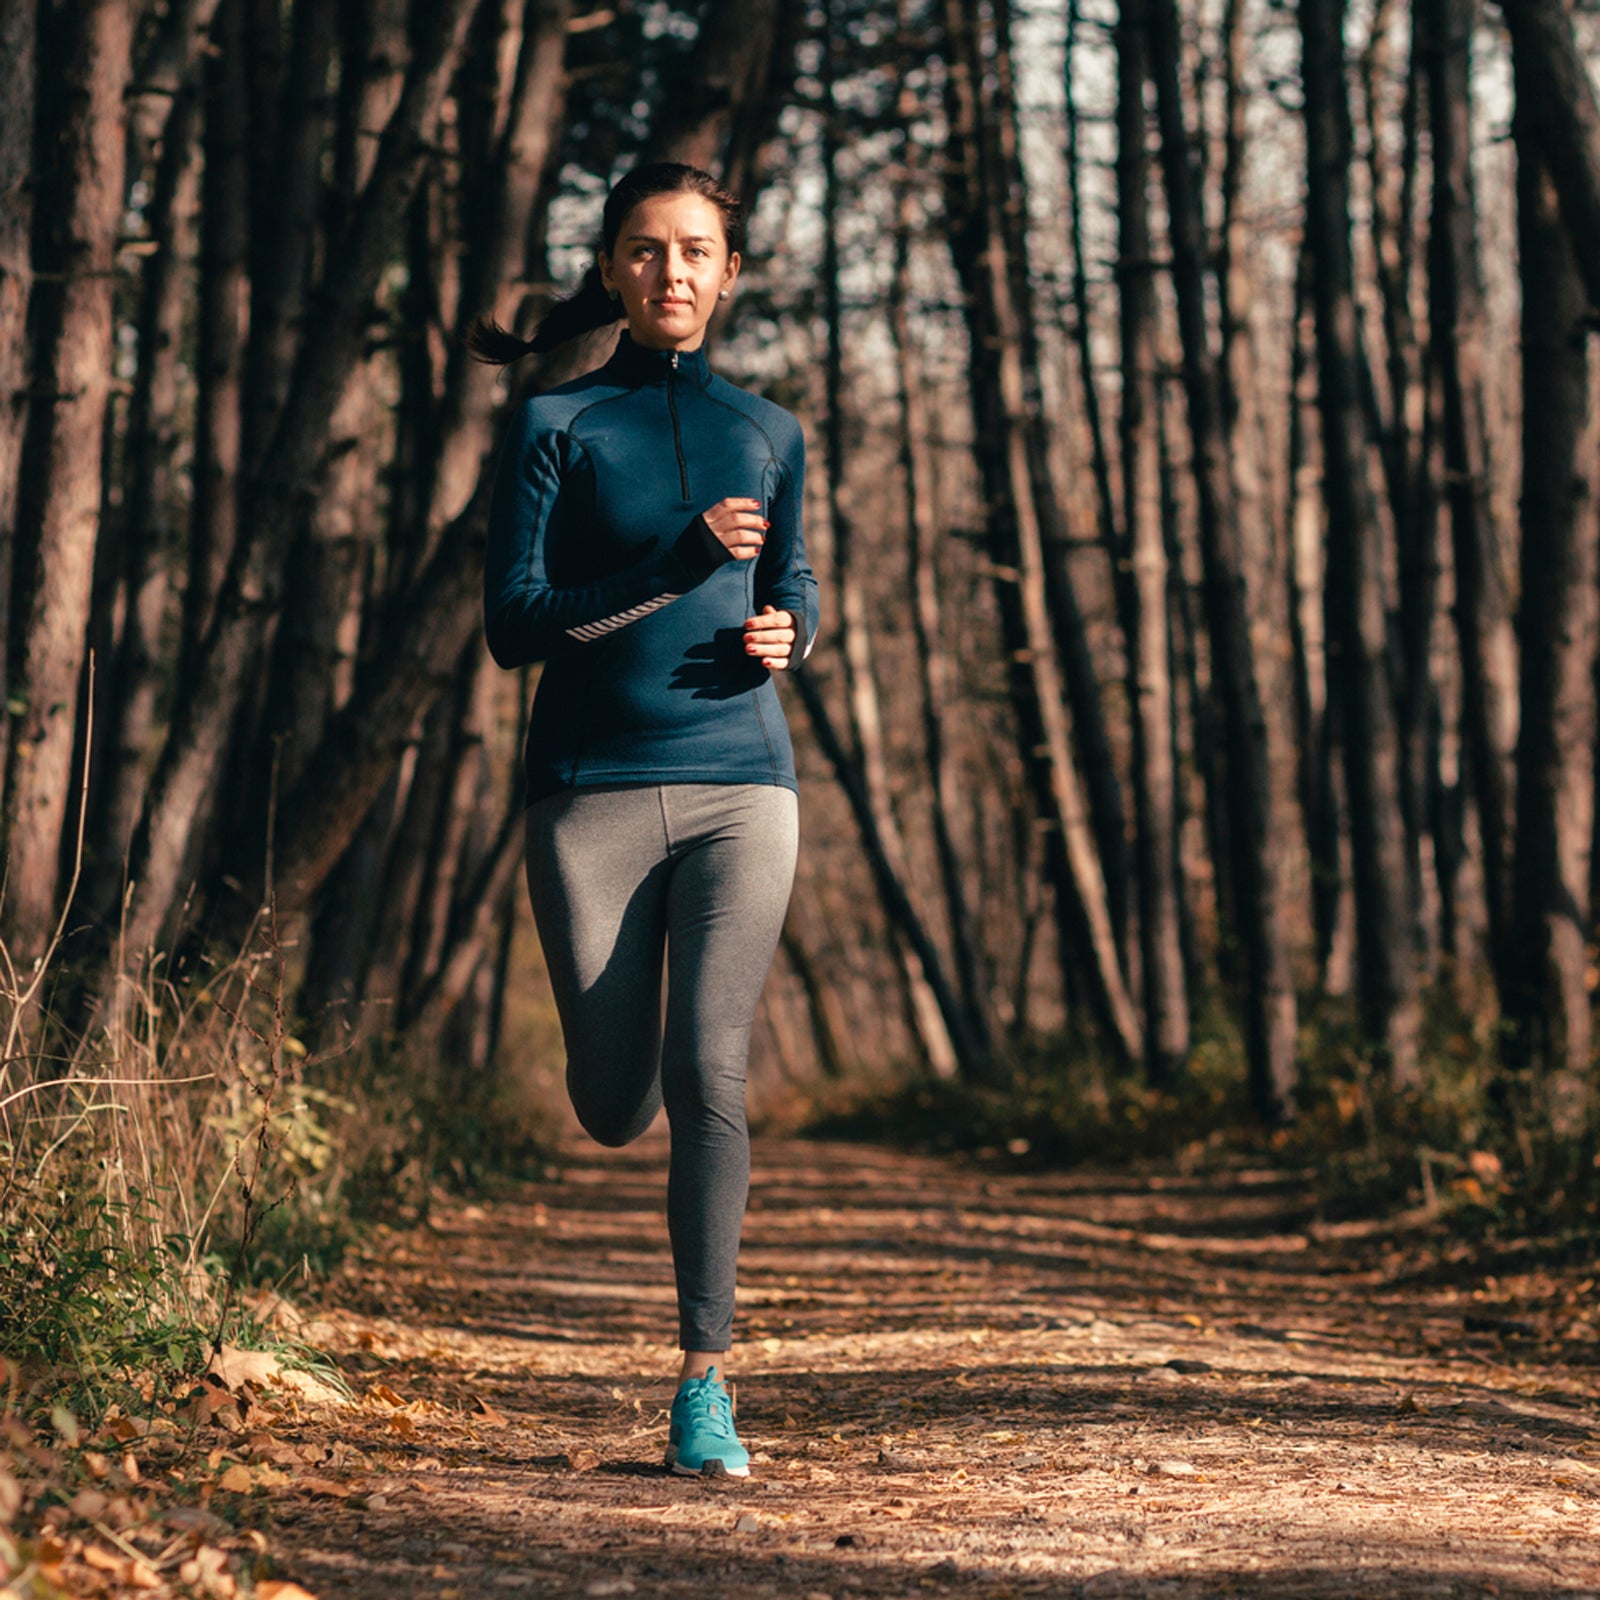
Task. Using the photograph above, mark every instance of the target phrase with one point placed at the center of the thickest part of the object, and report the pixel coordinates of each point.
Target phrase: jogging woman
(644, 543)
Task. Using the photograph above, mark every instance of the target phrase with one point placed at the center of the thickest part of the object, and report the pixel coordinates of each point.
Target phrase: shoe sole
(712, 1468)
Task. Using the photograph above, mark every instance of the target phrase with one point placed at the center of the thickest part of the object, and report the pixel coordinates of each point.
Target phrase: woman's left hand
(770, 638)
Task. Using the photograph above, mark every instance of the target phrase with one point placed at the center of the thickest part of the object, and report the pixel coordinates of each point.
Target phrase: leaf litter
(950, 1380)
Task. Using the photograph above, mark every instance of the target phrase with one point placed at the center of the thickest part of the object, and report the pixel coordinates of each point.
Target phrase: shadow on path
(952, 1383)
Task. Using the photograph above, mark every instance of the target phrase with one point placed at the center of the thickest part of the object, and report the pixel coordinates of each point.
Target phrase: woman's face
(671, 263)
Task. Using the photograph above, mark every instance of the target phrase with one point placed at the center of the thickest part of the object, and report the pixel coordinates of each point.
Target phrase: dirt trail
(952, 1383)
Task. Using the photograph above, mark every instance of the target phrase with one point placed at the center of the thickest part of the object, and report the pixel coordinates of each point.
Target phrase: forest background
(1203, 441)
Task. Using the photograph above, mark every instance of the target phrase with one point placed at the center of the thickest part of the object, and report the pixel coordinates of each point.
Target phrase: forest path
(953, 1383)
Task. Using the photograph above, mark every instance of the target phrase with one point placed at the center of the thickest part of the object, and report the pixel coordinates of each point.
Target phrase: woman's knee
(611, 1119)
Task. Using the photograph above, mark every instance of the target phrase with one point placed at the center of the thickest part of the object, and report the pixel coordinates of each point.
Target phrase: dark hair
(591, 306)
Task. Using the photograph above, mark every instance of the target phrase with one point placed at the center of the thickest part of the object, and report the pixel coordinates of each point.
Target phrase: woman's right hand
(738, 526)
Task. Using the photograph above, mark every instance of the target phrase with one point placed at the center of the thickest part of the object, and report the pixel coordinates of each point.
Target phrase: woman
(644, 543)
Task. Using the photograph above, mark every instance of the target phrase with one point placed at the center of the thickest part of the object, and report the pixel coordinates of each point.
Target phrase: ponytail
(590, 307)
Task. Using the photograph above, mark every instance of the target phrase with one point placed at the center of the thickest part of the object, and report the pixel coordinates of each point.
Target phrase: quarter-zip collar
(638, 363)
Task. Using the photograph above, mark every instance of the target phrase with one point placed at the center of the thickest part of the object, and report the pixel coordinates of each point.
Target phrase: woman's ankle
(697, 1363)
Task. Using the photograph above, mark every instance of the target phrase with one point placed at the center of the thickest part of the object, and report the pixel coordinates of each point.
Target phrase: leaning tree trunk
(1270, 1004)
(1546, 999)
(978, 239)
(1385, 946)
(81, 209)
(18, 25)
(708, 120)
(209, 702)
(1557, 100)
(1456, 312)
(1142, 575)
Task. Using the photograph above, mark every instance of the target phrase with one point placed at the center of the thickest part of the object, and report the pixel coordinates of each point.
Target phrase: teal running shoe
(702, 1439)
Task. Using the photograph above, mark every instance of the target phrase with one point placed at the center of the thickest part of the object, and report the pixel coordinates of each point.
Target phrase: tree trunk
(80, 212)
(976, 181)
(1547, 1000)
(1270, 1004)
(1142, 577)
(222, 324)
(1307, 647)
(941, 1024)
(332, 345)
(1358, 625)
(723, 91)
(918, 478)
(1482, 609)
(1082, 320)
(1412, 506)
(830, 1027)
(494, 268)
(126, 735)
(1563, 118)
(18, 24)
(283, 223)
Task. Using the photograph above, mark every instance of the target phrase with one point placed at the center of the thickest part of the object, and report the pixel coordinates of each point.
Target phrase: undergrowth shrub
(1472, 1149)
(188, 1148)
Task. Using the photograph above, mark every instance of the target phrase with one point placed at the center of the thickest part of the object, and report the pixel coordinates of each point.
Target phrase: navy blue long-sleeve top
(600, 565)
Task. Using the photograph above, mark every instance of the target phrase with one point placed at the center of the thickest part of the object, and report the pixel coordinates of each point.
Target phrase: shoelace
(707, 1401)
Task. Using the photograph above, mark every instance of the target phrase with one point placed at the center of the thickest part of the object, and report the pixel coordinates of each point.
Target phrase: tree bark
(223, 322)
(63, 453)
(709, 116)
(1358, 624)
(976, 177)
(1270, 1000)
(1142, 576)
(1563, 119)
(127, 733)
(1547, 1000)
(283, 223)
(1457, 323)
(1412, 506)
(18, 28)
(331, 347)
(918, 478)
(940, 1021)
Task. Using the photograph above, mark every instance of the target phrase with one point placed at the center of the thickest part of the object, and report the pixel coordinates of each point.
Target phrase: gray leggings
(700, 872)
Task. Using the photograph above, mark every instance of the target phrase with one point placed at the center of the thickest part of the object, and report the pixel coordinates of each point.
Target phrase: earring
(723, 295)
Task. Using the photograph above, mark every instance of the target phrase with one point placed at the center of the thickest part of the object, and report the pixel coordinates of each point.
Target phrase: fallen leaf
(326, 1487)
(235, 1367)
(580, 1460)
(486, 1413)
(88, 1504)
(278, 1589)
(236, 1479)
(382, 1391)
